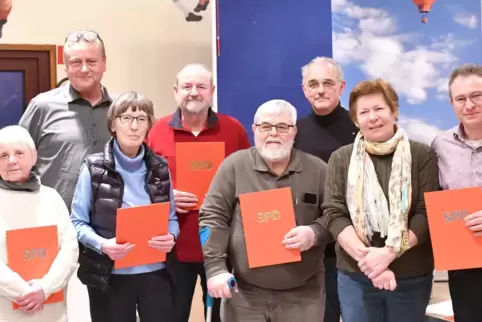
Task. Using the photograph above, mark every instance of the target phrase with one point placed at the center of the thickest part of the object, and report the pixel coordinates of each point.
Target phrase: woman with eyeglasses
(126, 174)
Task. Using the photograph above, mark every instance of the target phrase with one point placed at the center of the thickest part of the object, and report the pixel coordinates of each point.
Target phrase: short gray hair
(195, 66)
(12, 134)
(322, 60)
(130, 101)
(276, 106)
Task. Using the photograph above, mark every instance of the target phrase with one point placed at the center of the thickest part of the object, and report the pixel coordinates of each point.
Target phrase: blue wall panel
(263, 45)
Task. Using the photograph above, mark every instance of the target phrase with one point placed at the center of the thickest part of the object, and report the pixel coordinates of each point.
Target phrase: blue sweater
(133, 171)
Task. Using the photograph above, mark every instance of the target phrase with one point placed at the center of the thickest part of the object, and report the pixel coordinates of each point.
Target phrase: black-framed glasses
(475, 98)
(281, 128)
(127, 119)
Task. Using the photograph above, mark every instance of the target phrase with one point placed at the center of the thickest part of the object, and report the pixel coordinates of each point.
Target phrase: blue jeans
(361, 302)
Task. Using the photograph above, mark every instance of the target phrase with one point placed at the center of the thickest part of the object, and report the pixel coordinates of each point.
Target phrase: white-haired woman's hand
(33, 301)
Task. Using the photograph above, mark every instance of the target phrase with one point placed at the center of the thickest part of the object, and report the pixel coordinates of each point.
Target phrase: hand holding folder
(31, 252)
(196, 165)
(267, 218)
(454, 245)
(137, 226)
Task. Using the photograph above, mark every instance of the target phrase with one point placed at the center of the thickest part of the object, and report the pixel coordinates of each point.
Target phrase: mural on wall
(195, 14)
(5, 9)
(385, 39)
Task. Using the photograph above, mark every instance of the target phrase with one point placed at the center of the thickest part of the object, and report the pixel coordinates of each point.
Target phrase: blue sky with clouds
(380, 38)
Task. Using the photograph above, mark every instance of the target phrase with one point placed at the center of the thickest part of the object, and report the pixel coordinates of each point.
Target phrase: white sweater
(44, 207)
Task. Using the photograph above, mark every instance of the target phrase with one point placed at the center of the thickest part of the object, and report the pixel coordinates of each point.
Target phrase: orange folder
(196, 165)
(137, 225)
(31, 252)
(454, 246)
(267, 217)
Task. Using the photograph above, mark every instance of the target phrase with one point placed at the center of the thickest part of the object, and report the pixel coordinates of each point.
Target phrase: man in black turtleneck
(321, 133)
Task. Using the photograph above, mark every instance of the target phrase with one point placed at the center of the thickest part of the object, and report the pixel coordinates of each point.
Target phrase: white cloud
(419, 130)
(466, 19)
(369, 39)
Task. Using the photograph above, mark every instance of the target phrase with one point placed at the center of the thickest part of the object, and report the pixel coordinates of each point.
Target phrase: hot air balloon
(5, 9)
(424, 8)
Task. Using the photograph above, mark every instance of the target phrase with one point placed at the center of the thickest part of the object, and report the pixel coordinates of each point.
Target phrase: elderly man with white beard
(277, 293)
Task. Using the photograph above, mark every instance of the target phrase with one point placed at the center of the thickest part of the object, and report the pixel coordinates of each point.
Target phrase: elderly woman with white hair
(26, 203)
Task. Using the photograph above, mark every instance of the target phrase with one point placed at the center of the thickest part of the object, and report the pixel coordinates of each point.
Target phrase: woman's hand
(34, 301)
(376, 261)
(385, 281)
(350, 242)
(163, 243)
(116, 251)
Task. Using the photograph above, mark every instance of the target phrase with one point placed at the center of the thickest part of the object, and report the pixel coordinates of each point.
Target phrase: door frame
(52, 49)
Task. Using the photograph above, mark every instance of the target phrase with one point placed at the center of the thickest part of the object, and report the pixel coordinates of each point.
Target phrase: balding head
(194, 69)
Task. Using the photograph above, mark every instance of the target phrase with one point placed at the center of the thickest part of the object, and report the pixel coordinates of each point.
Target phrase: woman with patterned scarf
(374, 207)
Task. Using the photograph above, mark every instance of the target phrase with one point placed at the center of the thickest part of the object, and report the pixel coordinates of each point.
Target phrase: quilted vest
(107, 193)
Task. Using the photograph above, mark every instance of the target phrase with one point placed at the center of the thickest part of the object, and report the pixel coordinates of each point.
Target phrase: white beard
(274, 155)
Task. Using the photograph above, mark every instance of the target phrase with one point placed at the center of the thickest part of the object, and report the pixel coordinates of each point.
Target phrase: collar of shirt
(73, 95)
(177, 122)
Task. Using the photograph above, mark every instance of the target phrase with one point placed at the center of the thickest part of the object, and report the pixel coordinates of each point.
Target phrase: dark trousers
(465, 289)
(185, 278)
(362, 302)
(151, 294)
(332, 303)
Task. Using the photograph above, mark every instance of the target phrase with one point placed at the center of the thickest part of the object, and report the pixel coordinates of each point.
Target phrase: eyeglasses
(78, 35)
(475, 98)
(268, 127)
(127, 119)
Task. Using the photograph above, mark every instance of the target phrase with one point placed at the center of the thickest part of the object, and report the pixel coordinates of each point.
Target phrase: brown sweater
(419, 259)
(220, 215)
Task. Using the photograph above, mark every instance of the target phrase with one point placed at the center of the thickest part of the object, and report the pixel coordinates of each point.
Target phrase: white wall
(147, 41)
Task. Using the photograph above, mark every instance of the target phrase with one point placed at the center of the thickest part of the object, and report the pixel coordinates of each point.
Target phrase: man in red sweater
(193, 121)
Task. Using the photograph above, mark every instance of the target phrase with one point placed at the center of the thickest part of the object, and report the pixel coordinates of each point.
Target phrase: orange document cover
(267, 217)
(454, 246)
(31, 252)
(137, 225)
(196, 165)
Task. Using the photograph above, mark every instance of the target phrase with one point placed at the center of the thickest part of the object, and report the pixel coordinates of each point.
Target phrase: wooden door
(25, 71)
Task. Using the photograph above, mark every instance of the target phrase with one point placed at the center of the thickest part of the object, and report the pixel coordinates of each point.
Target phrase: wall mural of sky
(386, 39)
